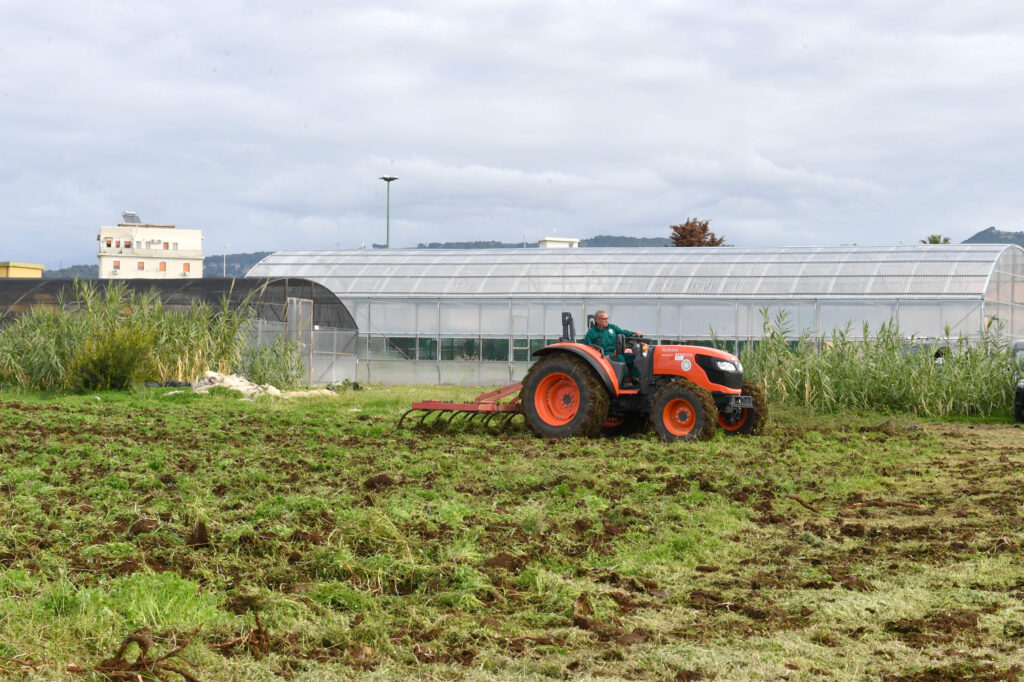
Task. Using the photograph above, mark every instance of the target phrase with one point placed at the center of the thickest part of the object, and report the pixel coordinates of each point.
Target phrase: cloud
(267, 125)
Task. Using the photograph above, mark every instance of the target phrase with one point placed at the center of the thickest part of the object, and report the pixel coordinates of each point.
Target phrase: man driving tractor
(603, 334)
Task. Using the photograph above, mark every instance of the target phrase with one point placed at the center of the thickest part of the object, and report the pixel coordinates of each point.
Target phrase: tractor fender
(595, 359)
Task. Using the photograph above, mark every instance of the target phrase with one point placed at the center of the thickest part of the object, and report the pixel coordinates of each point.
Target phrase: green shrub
(114, 360)
(277, 364)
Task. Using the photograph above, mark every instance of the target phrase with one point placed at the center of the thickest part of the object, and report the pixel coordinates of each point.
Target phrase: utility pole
(389, 179)
(224, 262)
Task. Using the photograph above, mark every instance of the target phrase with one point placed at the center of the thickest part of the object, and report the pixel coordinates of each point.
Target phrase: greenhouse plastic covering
(948, 270)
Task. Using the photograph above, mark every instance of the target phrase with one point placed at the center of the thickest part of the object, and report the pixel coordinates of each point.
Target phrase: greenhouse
(475, 316)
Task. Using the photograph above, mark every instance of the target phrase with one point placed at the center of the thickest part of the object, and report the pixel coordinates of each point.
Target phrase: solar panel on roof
(130, 217)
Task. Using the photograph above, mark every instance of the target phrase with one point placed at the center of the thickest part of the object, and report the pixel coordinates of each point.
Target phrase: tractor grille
(728, 379)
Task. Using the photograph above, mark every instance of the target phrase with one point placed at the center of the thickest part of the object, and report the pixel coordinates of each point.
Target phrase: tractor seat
(620, 370)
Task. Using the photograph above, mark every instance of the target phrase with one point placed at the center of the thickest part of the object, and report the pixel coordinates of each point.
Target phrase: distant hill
(609, 241)
(600, 241)
(235, 265)
(994, 236)
(73, 272)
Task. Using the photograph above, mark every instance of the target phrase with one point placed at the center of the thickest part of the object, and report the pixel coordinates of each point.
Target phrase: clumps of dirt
(118, 667)
(850, 582)
(199, 536)
(939, 627)
(692, 676)
(974, 671)
(582, 613)
(143, 525)
(505, 561)
(705, 600)
(379, 481)
(256, 642)
(633, 584)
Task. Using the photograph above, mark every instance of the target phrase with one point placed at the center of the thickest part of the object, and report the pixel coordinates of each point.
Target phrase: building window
(166, 246)
(117, 264)
(108, 240)
(186, 267)
(118, 243)
(174, 246)
(427, 349)
(401, 348)
(163, 266)
(127, 244)
(494, 349)
(460, 349)
(142, 265)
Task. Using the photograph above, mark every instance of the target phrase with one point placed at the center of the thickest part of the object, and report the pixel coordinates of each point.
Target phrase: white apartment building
(137, 250)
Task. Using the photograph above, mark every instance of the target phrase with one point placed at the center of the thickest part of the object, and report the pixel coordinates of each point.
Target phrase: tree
(695, 232)
(935, 239)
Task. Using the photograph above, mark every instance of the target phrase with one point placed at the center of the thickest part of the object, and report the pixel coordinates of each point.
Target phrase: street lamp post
(224, 262)
(389, 179)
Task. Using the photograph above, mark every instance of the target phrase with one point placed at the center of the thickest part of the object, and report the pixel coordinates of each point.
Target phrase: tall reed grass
(113, 338)
(883, 371)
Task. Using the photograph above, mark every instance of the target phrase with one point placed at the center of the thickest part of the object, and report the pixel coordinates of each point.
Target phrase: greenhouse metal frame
(476, 316)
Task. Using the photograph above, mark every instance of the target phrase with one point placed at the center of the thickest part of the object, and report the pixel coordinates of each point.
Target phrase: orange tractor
(573, 389)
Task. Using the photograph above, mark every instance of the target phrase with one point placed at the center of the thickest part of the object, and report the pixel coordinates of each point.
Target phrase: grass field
(210, 538)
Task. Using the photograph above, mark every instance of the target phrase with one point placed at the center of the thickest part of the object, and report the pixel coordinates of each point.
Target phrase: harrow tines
(404, 415)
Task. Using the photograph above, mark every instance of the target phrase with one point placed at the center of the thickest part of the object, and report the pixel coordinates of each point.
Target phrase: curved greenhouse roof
(951, 271)
(270, 296)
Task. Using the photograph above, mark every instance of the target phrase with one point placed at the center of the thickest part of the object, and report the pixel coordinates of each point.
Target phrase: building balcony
(163, 254)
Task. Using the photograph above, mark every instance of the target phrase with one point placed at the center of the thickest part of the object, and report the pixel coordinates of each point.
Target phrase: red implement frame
(486, 405)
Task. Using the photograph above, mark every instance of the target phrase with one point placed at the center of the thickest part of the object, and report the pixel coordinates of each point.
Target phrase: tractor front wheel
(563, 397)
(751, 420)
(684, 411)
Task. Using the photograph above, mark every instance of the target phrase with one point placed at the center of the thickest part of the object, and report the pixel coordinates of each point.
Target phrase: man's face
(601, 321)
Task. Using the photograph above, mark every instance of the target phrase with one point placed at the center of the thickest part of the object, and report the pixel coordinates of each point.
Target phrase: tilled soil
(867, 549)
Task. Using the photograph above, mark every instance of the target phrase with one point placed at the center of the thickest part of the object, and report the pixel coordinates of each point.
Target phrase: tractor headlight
(727, 366)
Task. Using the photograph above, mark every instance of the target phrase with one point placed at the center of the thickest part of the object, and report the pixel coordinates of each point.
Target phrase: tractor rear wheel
(684, 411)
(563, 397)
(617, 427)
(751, 420)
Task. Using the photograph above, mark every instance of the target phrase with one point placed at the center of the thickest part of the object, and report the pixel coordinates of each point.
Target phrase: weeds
(112, 339)
(277, 364)
(883, 371)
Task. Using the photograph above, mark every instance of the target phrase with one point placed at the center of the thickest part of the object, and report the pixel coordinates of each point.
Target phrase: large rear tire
(751, 421)
(562, 397)
(683, 411)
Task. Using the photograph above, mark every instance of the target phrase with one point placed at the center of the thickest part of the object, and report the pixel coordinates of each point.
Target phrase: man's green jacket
(605, 339)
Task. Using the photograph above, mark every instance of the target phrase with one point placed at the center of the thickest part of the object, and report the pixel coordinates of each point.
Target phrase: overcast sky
(268, 124)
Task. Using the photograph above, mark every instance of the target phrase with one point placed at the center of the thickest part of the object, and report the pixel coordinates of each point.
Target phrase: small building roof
(15, 264)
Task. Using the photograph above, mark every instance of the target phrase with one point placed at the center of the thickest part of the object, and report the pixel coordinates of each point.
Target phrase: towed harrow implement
(487, 407)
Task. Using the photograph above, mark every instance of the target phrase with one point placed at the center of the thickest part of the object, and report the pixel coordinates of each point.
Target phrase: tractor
(573, 389)
(684, 392)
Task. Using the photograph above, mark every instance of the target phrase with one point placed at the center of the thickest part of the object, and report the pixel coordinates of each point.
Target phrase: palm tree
(935, 239)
